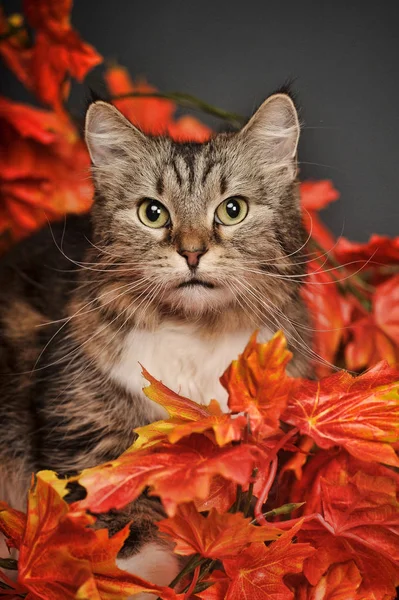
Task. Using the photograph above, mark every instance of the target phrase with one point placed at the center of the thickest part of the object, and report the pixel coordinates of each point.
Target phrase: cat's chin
(199, 299)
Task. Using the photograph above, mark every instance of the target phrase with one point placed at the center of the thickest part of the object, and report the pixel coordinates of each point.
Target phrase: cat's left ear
(274, 132)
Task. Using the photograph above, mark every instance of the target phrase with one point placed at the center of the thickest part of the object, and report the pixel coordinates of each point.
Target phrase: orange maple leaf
(341, 582)
(44, 169)
(314, 196)
(12, 524)
(187, 417)
(360, 414)
(360, 520)
(257, 383)
(177, 473)
(62, 557)
(329, 313)
(215, 535)
(259, 570)
(58, 52)
(152, 115)
(375, 335)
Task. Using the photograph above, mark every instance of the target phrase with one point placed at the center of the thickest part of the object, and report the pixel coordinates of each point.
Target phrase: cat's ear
(109, 135)
(274, 131)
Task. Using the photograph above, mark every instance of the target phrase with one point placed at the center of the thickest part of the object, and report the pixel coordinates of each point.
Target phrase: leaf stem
(250, 492)
(189, 101)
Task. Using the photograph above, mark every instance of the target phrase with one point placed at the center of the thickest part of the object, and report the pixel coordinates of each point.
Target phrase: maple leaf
(218, 590)
(43, 172)
(359, 512)
(12, 524)
(177, 473)
(152, 115)
(314, 196)
(257, 383)
(317, 194)
(375, 335)
(360, 414)
(14, 49)
(259, 570)
(380, 250)
(187, 417)
(215, 535)
(341, 582)
(329, 314)
(62, 556)
(58, 52)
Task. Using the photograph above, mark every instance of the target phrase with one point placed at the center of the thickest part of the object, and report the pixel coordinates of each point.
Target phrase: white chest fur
(184, 360)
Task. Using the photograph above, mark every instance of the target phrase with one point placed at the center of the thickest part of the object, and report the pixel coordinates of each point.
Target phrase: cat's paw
(154, 562)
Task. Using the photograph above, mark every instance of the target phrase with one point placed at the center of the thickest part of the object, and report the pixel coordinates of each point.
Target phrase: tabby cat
(188, 249)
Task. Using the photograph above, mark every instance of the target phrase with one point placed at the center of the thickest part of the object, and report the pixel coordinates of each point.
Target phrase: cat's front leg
(144, 553)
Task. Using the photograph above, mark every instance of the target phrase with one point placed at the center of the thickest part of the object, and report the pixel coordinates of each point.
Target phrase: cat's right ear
(109, 135)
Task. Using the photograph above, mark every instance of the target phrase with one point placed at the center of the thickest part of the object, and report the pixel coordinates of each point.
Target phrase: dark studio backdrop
(342, 55)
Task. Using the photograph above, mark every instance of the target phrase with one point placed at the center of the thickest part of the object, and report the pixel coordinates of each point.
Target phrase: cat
(187, 250)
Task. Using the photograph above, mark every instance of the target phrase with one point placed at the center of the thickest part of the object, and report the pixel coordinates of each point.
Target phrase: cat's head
(204, 226)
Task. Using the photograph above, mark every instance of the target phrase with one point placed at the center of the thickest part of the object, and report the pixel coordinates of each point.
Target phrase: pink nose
(192, 256)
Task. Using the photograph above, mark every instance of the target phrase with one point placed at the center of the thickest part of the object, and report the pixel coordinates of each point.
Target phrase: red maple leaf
(177, 473)
(359, 512)
(341, 582)
(43, 171)
(58, 52)
(62, 557)
(215, 535)
(329, 313)
(152, 115)
(12, 524)
(314, 196)
(360, 414)
(258, 571)
(379, 251)
(375, 335)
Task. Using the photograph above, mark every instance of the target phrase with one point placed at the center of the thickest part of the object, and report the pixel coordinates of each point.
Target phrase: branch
(189, 101)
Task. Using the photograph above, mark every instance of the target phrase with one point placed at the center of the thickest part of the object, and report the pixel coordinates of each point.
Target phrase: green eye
(231, 211)
(153, 214)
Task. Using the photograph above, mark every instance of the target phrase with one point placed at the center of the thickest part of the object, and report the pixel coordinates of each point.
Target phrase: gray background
(342, 55)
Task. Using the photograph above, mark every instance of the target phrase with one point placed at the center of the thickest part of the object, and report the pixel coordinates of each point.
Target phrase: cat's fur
(83, 301)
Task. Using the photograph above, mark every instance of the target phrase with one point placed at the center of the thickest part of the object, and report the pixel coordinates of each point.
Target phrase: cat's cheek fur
(154, 563)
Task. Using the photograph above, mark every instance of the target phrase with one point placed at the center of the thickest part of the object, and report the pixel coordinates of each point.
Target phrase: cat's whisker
(292, 334)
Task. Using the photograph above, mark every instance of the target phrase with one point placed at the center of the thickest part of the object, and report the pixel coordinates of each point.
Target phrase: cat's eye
(231, 211)
(153, 214)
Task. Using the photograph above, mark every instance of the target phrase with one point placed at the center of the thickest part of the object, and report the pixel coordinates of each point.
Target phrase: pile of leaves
(293, 493)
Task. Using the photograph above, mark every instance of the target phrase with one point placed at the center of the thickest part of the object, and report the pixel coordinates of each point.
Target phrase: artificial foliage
(291, 494)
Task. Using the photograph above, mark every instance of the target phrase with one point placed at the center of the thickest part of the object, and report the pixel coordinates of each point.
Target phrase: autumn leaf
(12, 524)
(360, 520)
(375, 335)
(58, 543)
(341, 582)
(187, 417)
(328, 313)
(177, 473)
(152, 115)
(58, 52)
(360, 414)
(314, 196)
(215, 535)
(43, 172)
(257, 383)
(14, 49)
(379, 251)
(258, 571)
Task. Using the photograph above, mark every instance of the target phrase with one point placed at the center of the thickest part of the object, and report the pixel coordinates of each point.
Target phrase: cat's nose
(193, 256)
